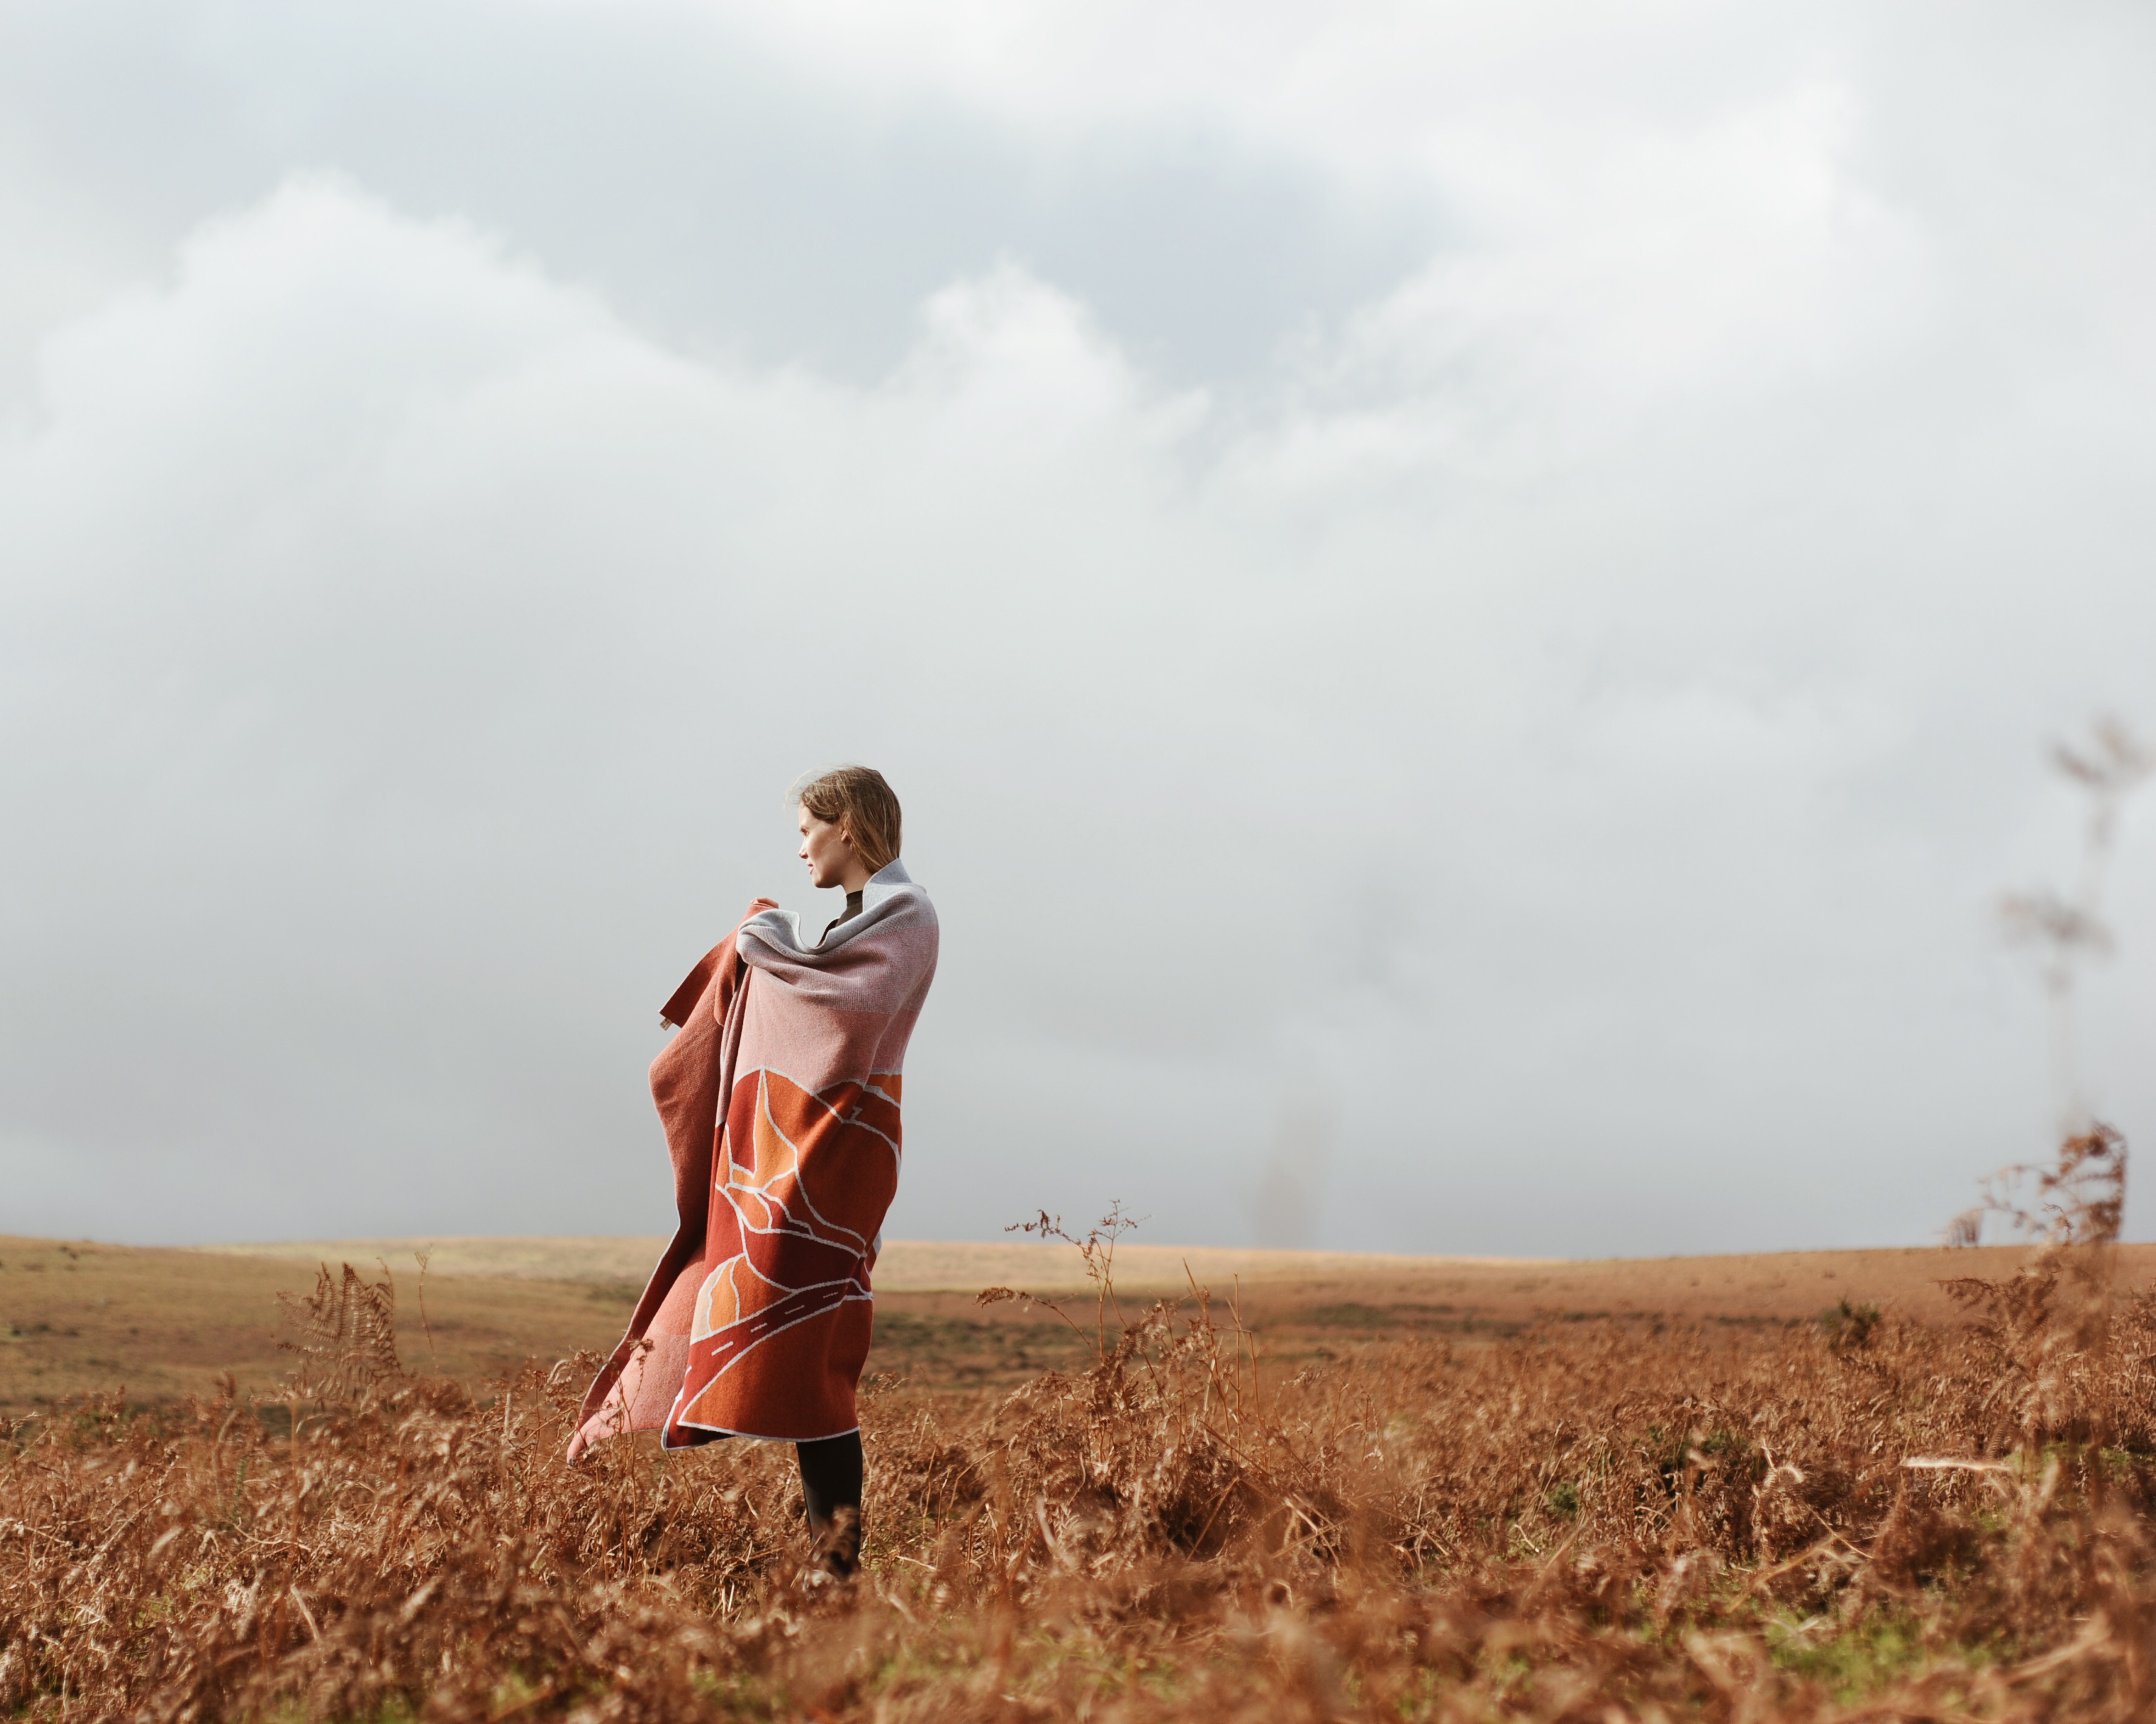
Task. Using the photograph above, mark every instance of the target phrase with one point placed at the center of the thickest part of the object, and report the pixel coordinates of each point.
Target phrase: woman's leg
(831, 1492)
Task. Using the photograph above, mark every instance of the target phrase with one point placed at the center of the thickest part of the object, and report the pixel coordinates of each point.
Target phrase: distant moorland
(160, 1323)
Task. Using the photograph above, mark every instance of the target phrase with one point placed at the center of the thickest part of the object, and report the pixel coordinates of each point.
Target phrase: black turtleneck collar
(852, 910)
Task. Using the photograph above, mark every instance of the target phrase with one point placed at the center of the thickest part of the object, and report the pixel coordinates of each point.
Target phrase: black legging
(831, 1476)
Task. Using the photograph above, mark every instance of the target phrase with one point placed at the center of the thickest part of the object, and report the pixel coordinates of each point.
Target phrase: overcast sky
(1466, 601)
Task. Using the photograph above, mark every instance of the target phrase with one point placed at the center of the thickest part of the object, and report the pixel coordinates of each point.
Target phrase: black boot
(838, 1554)
(831, 1497)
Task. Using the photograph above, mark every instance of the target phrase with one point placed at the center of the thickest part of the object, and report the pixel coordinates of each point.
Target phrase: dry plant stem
(2068, 929)
(423, 1258)
(1096, 1251)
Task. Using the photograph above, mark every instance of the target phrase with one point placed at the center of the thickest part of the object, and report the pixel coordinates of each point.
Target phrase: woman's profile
(780, 1097)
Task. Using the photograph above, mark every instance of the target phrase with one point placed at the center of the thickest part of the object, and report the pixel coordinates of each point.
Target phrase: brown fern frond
(346, 1345)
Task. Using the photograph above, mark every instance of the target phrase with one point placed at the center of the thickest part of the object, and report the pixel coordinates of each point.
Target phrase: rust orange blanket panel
(757, 1320)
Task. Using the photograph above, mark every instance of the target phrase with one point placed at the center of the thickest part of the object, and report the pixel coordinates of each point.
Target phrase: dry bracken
(1591, 1522)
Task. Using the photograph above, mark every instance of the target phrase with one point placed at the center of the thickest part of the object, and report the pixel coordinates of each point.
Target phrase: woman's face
(827, 851)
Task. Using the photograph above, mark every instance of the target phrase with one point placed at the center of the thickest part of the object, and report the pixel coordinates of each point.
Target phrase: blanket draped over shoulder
(780, 1097)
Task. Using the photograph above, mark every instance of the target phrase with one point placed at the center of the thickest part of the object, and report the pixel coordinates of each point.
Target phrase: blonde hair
(857, 798)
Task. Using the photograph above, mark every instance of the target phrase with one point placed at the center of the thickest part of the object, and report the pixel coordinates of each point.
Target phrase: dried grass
(1589, 1522)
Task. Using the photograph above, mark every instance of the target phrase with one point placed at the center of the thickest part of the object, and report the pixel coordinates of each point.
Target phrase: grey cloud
(1587, 778)
(724, 198)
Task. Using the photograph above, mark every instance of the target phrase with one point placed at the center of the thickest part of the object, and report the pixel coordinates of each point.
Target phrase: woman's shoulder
(890, 905)
(902, 898)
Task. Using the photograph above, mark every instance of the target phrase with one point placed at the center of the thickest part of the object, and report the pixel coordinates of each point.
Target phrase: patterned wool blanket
(780, 1098)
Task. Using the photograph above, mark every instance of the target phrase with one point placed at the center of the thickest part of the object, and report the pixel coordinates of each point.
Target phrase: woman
(780, 1097)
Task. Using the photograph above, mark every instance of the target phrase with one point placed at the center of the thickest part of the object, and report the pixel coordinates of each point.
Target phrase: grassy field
(160, 1324)
(1797, 1487)
(165, 1324)
(1760, 1286)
